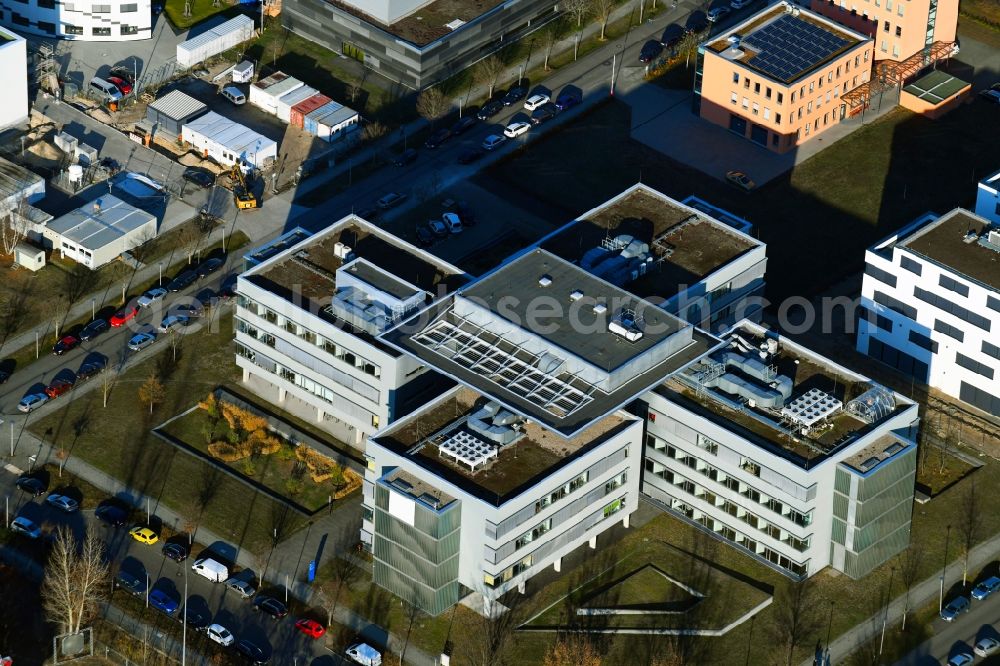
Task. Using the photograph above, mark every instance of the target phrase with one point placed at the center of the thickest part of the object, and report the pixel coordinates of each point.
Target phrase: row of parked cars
(987, 645)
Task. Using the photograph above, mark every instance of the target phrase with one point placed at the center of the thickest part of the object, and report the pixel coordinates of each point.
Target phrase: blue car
(163, 602)
(986, 588)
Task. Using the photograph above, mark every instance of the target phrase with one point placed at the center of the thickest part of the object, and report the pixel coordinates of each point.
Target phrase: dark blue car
(163, 602)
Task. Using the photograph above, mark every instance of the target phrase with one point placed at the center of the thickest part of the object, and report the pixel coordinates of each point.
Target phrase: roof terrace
(961, 241)
(428, 22)
(685, 245)
(474, 443)
(791, 402)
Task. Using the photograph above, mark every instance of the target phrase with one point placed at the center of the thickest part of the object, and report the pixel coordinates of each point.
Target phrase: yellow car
(144, 535)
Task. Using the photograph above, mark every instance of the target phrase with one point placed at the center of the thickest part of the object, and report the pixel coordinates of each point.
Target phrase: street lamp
(147, 589)
(160, 281)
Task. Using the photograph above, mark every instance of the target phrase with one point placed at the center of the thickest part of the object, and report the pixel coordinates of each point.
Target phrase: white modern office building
(932, 293)
(785, 455)
(13, 78)
(87, 20)
(532, 456)
(308, 320)
(681, 257)
(988, 198)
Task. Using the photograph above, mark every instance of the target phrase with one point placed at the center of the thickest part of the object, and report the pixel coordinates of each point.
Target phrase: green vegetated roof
(936, 86)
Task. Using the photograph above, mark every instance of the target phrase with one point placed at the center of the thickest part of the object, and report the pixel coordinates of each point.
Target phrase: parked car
(129, 581)
(244, 588)
(536, 101)
(515, 95)
(125, 315)
(252, 652)
(310, 628)
(469, 155)
(123, 86)
(140, 341)
(66, 344)
(234, 95)
(740, 4)
(197, 617)
(986, 647)
(570, 96)
(176, 551)
(650, 51)
(516, 129)
(61, 502)
(213, 570)
(4, 376)
(960, 659)
(163, 602)
(182, 280)
(32, 402)
(22, 525)
(452, 223)
(466, 212)
(144, 535)
(57, 388)
(93, 329)
(672, 35)
(112, 515)
(438, 228)
(490, 109)
(364, 654)
(198, 176)
(408, 156)
(543, 113)
(437, 138)
(717, 13)
(89, 370)
(493, 141)
(985, 588)
(697, 21)
(991, 96)
(31, 485)
(740, 180)
(271, 606)
(390, 200)
(954, 608)
(123, 72)
(220, 635)
(209, 266)
(173, 321)
(464, 123)
(152, 296)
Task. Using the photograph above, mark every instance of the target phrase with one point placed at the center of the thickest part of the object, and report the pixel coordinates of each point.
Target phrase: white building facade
(13, 79)
(932, 293)
(988, 198)
(85, 20)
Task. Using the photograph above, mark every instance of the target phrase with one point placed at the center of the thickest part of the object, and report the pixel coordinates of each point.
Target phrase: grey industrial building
(412, 43)
(170, 113)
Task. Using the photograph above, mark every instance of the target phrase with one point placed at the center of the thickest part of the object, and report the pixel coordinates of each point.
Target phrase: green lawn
(133, 454)
(280, 472)
(985, 11)
(200, 10)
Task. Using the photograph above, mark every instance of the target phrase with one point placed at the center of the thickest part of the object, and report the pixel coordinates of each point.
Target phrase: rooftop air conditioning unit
(600, 308)
(575, 295)
(341, 251)
(544, 281)
(993, 238)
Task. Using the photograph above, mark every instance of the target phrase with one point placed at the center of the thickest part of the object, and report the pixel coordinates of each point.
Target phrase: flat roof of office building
(936, 86)
(100, 222)
(686, 243)
(953, 240)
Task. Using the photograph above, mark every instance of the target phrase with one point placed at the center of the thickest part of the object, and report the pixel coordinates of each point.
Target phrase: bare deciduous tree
(602, 13)
(795, 618)
(108, 379)
(151, 392)
(188, 239)
(909, 569)
(969, 523)
(487, 71)
(432, 104)
(578, 9)
(490, 636)
(572, 650)
(342, 571)
(75, 580)
(14, 227)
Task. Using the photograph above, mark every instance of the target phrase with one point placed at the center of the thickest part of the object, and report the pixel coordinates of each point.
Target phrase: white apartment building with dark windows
(932, 293)
(309, 313)
(86, 20)
(785, 455)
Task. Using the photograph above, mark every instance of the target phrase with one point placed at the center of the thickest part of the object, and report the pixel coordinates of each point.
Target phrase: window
(879, 320)
(882, 276)
(899, 31)
(614, 507)
(756, 108)
(991, 350)
(750, 467)
(734, 98)
(884, 46)
(911, 265)
(944, 304)
(100, 9)
(50, 28)
(974, 365)
(949, 330)
(47, 4)
(921, 340)
(129, 8)
(888, 5)
(709, 445)
(899, 9)
(17, 19)
(980, 398)
(533, 534)
(809, 107)
(736, 77)
(746, 103)
(777, 118)
(767, 113)
(767, 93)
(792, 98)
(812, 86)
(993, 303)
(895, 50)
(615, 483)
(746, 83)
(885, 26)
(756, 88)
(781, 98)
(953, 285)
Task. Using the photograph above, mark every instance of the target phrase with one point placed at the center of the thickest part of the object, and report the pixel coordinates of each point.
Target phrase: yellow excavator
(242, 192)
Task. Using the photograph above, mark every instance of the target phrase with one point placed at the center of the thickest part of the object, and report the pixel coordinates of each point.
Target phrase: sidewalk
(921, 594)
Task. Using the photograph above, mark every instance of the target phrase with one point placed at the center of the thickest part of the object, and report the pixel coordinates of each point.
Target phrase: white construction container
(266, 92)
(288, 100)
(227, 142)
(213, 42)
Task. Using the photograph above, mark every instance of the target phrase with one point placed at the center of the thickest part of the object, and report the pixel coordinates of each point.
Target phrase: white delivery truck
(364, 654)
(216, 572)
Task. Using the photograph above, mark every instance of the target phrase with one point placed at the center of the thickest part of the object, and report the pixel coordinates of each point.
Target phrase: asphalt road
(951, 638)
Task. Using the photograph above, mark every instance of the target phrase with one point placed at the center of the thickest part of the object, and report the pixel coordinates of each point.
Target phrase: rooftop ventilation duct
(576, 295)
(544, 281)
(600, 308)
(496, 424)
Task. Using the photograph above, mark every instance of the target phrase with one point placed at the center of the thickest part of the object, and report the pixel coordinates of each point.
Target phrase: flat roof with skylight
(476, 443)
(551, 341)
(963, 242)
(649, 243)
(101, 222)
(781, 396)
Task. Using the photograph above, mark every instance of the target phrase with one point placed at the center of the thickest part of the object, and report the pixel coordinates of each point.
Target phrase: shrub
(225, 452)
(211, 405)
(293, 486)
(248, 467)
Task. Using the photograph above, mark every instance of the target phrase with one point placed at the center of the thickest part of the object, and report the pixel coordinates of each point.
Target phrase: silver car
(22, 525)
(61, 502)
(31, 402)
(140, 341)
(986, 647)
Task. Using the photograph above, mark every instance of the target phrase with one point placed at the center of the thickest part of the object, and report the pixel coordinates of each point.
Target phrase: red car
(65, 344)
(310, 628)
(124, 86)
(124, 315)
(57, 388)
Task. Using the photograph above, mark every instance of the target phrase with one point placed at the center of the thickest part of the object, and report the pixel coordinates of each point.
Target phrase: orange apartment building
(900, 28)
(777, 79)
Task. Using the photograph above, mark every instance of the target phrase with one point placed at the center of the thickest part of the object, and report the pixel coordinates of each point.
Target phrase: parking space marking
(13, 470)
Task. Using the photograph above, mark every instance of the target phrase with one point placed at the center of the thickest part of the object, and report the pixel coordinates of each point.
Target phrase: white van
(362, 653)
(106, 88)
(234, 95)
(210, 569)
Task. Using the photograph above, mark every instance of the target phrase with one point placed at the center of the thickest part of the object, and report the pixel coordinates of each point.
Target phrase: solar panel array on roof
(789, 46)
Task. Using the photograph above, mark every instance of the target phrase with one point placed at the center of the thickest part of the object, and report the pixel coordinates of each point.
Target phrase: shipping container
(299, 111)
(227, 142)
(265, 93)
(213, 42)
(288, 100)
(331, 121)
